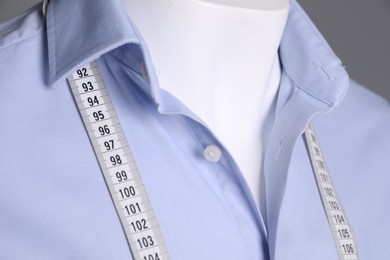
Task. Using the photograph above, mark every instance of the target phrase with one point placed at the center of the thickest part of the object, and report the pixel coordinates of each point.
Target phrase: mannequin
(220, 58)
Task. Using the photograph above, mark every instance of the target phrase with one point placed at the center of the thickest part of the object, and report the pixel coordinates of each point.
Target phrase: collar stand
(309, 61)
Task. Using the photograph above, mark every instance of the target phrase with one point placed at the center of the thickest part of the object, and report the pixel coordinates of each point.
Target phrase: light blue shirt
(54, 203)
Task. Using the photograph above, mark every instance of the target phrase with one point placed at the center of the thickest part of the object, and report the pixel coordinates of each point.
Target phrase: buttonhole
(323, 70)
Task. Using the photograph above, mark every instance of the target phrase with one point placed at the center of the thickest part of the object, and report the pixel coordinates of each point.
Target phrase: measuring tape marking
(145, 238)
(117, 163)
(341, 229)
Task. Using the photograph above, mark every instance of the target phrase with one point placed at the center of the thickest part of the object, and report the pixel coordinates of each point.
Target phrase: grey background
(357, 30)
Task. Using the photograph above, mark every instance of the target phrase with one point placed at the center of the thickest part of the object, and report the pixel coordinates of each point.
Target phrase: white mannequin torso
(220, 59)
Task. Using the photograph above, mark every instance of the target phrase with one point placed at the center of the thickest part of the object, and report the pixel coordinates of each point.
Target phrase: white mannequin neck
(220, 59)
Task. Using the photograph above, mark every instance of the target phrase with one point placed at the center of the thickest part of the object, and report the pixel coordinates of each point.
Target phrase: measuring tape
(117, 163)
(128, 191)
(341, 229)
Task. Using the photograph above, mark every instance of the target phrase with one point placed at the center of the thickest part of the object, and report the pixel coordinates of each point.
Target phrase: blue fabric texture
(54, 203)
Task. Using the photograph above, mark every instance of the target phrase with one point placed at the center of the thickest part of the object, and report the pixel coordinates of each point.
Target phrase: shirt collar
(79, 31)
(309, 61)
(82, 30)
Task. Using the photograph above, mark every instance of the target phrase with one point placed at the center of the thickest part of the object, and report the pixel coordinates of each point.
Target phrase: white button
(212, 153)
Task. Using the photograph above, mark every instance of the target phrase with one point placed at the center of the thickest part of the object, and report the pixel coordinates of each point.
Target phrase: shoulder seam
(31, 34)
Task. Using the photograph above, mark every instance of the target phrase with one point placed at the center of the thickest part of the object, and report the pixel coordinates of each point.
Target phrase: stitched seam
(93, 47)
(313, 29)
(153, 94)
(83, 54)
(51, 38)
(326, 99)
(123, 62)
(67, 62)
(15, 23)
(31, 34)
(229, 210)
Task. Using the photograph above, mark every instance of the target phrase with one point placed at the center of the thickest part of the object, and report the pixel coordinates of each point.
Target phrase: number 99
(122, 176)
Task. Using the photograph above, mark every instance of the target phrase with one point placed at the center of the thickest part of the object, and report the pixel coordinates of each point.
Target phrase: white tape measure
(129, 194)
(341, 229)
(117, 163)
